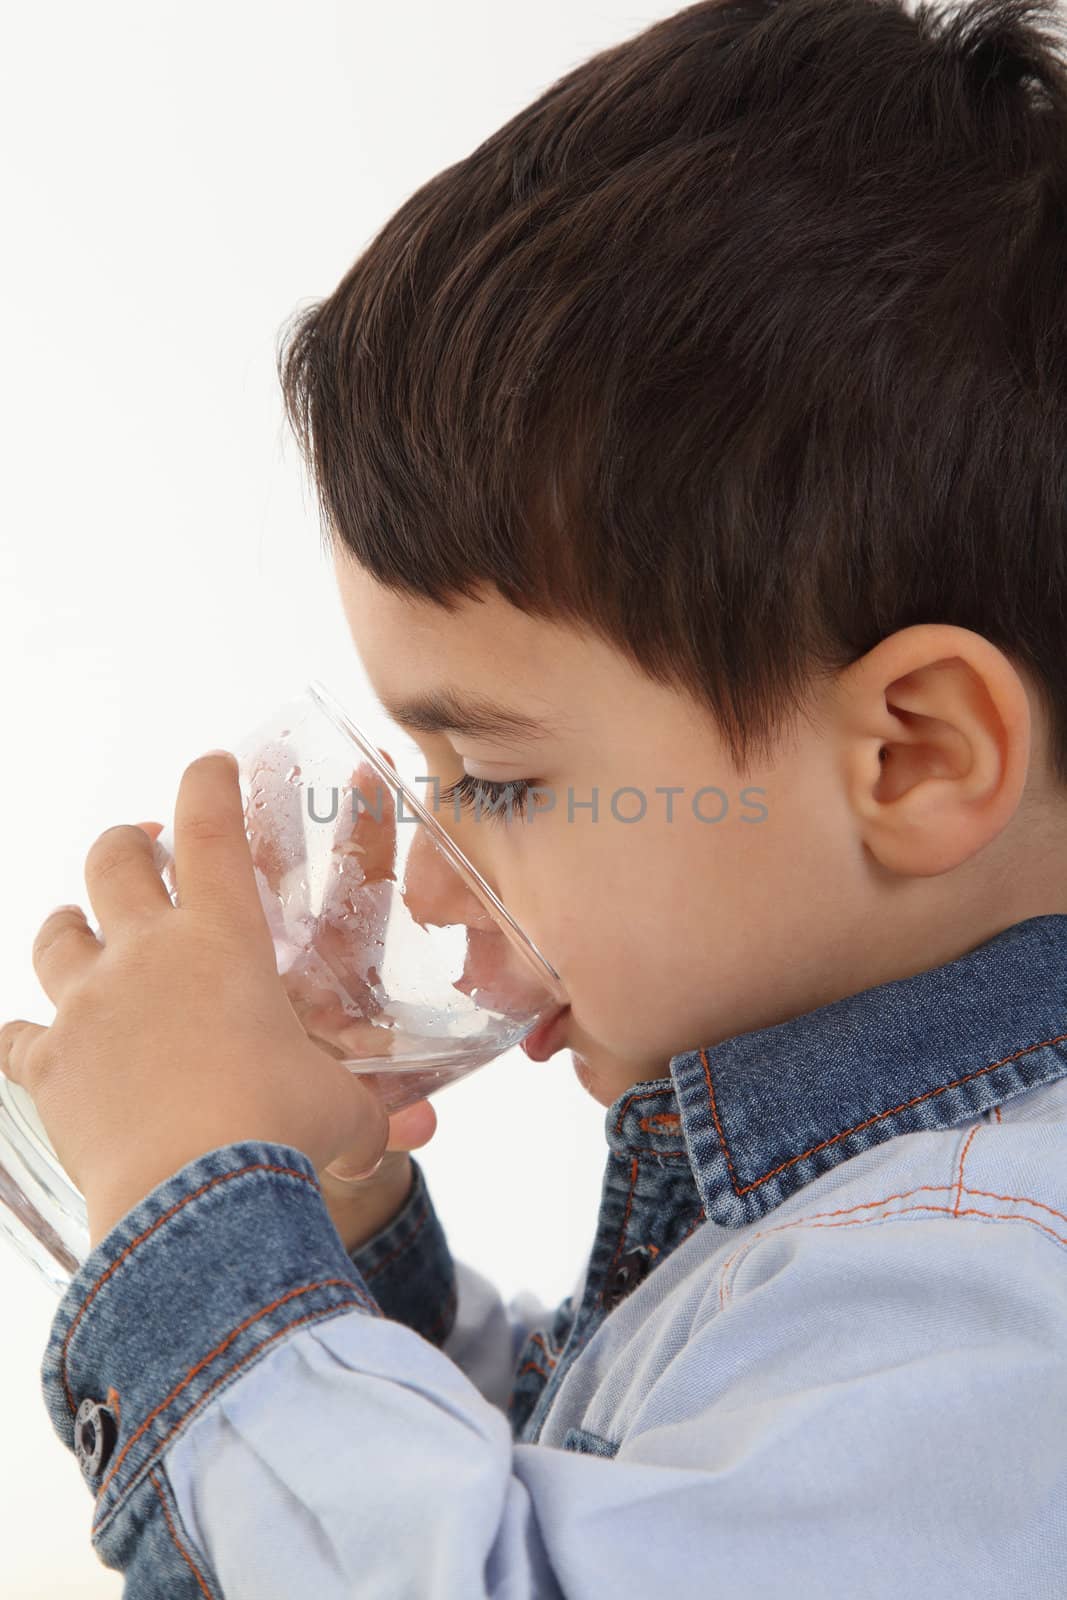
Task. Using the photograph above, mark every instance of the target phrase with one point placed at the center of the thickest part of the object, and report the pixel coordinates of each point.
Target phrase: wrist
(362, 1209)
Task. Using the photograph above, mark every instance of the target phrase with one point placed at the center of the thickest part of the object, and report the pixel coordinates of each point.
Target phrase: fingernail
(347, 1176)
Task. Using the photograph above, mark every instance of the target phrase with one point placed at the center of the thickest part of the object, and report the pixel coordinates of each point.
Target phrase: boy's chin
(587, 1078)
(607, 1078)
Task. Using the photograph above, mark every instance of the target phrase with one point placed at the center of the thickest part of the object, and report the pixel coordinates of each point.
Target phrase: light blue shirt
(819, 1347)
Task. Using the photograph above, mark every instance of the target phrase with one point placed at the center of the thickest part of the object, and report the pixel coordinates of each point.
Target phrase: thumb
(363, 1132)
(409, 1129)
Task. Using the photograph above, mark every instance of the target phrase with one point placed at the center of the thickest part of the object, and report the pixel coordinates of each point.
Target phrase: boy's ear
(935, 739)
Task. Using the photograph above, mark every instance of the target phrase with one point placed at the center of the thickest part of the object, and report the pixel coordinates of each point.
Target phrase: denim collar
(764, 1113)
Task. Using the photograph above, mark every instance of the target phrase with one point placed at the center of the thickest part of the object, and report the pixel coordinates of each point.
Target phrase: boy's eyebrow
(449, 711)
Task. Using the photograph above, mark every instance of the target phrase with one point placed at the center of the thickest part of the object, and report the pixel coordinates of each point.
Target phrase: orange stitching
(660, 1155)
(291, 1294)
(193, 1568)
(531, 1366)
(651, 1094)
(440, 1320)
(669, 1119)
(538, 1338)
(722, 1136)
(1023, 1198)
(997, 1110)
(374, 1271)
(311, 1316)
(622, 1231)
(116, 1406)
(842, 1211)
(968, 1211)
(904, 1194)
(963, 1157)
(904, 1106)
(223, 1177)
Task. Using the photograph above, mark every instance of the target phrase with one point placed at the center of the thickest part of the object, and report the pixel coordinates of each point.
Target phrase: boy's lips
(544, 1040)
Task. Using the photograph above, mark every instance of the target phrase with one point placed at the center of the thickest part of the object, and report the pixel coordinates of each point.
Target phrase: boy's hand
(173, 1033)
(363, 852)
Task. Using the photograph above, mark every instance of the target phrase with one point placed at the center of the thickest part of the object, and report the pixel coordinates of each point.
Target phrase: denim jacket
(818, 1348)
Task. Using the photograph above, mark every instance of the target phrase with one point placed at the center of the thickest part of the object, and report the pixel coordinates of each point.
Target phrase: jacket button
(629, 1270)
(95, 1433)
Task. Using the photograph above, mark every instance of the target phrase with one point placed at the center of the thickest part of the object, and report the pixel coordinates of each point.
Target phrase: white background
(178, 179)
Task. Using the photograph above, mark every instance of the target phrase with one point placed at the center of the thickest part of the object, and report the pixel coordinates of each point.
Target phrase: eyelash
(473, 792)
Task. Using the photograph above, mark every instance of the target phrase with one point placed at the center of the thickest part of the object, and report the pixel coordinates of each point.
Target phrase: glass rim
(330, 706)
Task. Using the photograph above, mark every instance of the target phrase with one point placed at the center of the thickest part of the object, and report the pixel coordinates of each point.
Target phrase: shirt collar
(765, 1112)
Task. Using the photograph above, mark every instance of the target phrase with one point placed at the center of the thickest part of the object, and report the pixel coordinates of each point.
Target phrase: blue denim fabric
(409, 1269)
(154, 1326)
(819, 1345)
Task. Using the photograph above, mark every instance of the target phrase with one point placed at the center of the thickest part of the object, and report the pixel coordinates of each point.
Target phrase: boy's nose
(433, 890)
(493, 974)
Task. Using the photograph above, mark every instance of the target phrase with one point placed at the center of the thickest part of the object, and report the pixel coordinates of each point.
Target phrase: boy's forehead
(489, 655)
(384, 622)
(411, 647)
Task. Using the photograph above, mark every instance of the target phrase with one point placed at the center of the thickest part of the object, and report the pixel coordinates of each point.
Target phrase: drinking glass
(397, 956)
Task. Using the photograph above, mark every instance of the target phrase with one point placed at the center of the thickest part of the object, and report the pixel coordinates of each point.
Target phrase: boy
(709, 419)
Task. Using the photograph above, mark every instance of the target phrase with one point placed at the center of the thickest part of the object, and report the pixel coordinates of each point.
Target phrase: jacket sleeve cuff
(409, 1267)
(189, 1289)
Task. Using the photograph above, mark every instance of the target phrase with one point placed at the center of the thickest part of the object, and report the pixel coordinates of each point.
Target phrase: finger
(409, 1129)
(212, 859)
(122, 879)
(364, 842)
(362, 1127)
(344, 1036)
(64, 949)
(16, 1041)
(153, 829)
(344, 1168)
(412, 1127)
(359, 887)
(274, 820)
(341, 962)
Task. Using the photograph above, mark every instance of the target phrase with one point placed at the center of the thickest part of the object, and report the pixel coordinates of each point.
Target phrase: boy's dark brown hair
(744, 345)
